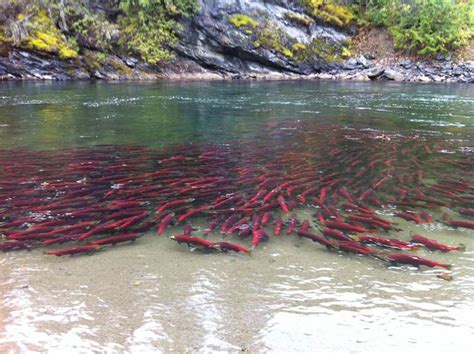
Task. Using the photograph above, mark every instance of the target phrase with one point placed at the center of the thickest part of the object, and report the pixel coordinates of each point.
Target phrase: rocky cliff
(242, 39)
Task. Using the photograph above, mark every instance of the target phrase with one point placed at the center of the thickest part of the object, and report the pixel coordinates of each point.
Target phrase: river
(291, 294)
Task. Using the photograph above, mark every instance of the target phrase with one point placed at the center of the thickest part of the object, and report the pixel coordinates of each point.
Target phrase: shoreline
(25, 66)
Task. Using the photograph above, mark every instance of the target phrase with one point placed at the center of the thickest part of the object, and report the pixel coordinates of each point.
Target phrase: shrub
(425, 27)
(150, 28)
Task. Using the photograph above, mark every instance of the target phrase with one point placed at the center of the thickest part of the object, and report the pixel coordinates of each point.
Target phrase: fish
(345, 226)
(336, 234)
(305, 225)
(228, 246)
(386, 242)
(458, 223)
(234, 227)
(282, 203)
(164, 223)
(192, 212)
(116, 239)
(265, 218)
(409, 217)
(316, 238)
(74, 250)
(401, 258)
(14, 246)
(194, 241)
(174, 203)
(435, 245)
(466, 211)
(354, 247)
(292, 223)
(278, 226)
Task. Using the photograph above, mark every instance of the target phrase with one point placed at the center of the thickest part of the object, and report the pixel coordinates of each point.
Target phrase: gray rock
(406, 64)
(130, 62)
(375, 73)
(362, 61)
(214, 43)
(392, 74)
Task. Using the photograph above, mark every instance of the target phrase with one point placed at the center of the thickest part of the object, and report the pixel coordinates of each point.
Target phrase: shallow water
(291, 294)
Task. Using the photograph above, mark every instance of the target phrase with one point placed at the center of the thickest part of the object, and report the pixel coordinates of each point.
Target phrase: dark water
(57, 115)
(292, 294)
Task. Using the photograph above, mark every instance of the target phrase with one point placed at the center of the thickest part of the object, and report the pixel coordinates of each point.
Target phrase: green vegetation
(240, 20)
(45, 37)
(329, 11)
(299, 19)
(318, 48)
(146, 28)
(268, 35)
(150, 27)
(424, 27)
(271, 37)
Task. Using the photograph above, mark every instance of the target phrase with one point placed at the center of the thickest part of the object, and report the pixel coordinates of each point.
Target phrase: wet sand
(289, 295)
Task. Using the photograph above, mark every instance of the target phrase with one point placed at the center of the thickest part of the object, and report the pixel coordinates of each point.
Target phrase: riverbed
(290, 294)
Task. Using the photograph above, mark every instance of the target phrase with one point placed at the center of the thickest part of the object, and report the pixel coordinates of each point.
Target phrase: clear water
(290, 295)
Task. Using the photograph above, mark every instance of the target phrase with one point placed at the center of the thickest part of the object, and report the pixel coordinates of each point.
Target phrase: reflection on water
(291, 294)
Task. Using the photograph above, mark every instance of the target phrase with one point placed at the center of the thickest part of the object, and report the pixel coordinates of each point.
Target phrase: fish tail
(462, 247)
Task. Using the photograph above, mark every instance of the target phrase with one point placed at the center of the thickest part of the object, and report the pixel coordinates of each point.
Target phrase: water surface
(291, 294)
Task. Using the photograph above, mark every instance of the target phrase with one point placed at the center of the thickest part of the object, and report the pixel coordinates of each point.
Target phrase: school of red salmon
(86, 199)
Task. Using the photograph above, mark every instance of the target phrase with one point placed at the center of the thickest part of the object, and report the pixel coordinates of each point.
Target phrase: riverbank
(22, 65)
(222, 40)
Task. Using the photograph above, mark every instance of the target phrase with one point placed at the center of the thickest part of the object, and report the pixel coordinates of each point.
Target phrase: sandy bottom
(290, 295)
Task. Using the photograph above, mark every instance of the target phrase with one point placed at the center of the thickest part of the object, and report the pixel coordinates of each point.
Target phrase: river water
(290, 294)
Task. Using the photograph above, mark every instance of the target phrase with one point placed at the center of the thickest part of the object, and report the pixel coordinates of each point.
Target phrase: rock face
(270, 36)
(268, 39)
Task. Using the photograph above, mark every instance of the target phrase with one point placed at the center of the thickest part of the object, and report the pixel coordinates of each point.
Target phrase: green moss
(101, 57)
(241, 20)
(287, 53)
(328, 11)
(46, 38)
(67, 53)
(299, 19)
(37, 44)
(319, 49)
(345, 52)
(121, 67)
(298, 47)
(91, 61)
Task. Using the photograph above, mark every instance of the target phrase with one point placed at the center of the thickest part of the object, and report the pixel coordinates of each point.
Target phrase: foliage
(271, 37)
(318, 48)
(329, 12)
(150, 28)
(299, 19)
(45, 37)
(91, 29)
(427, 27)
(240, 20)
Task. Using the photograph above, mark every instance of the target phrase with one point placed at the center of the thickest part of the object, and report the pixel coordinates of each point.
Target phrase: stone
(375, 73)
(130, 62)
(362, 61)
(392, 74)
